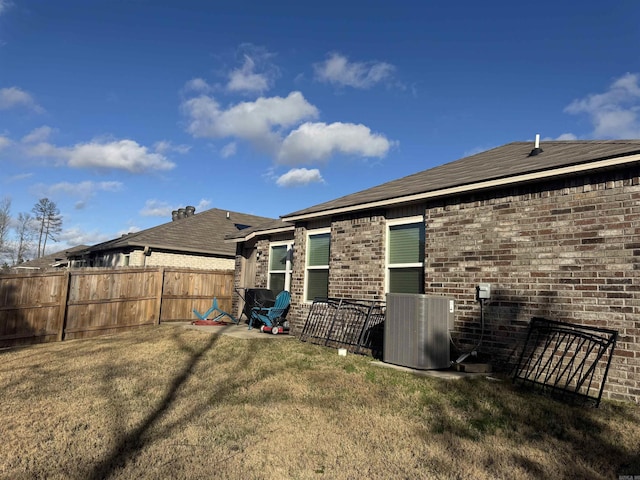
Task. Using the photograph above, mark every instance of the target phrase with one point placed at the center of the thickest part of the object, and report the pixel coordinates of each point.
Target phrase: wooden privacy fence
(55, 306)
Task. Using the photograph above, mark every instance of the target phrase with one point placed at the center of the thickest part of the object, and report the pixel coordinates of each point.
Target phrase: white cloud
(339, 71)
(197, 85)
(244, 79)
(120, 155)
(82, 190)
(228, 150)
(4, 142)
(318, 141)
(74, 236)
(614, 113)
(123, 154)
(258, 122)
(14, 97)
(19, 177)
(256, 74)
(300, 176)
(164, 146)
(567, 136)
(159, 208)
(4, 6)
(40, 134)
(203, 205)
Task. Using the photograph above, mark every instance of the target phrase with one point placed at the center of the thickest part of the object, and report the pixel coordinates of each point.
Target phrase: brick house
(190, 240)
(555, 231)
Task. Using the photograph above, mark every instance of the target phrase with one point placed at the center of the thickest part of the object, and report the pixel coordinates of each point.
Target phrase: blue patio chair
(272, 316)
(214, 308)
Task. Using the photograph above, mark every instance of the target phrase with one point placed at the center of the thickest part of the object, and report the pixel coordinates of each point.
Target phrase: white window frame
(388, 266)
(307, 267)
(288, 271)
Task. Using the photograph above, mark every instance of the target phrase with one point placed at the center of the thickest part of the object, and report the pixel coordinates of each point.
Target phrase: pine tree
(49, 223)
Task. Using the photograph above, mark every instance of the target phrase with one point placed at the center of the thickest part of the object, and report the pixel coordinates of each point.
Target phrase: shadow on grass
(132, 443)
(584, 435)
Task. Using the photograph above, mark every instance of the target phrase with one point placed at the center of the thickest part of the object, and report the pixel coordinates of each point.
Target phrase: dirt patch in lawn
(170, 402)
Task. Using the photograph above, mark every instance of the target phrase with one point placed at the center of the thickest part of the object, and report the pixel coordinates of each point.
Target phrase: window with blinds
(317, 267)
(405, 257)
(280, 259)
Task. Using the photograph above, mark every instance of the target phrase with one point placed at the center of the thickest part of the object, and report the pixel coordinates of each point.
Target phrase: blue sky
(121, 111)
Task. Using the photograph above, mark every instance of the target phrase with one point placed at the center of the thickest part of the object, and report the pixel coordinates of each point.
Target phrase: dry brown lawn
(168, 402)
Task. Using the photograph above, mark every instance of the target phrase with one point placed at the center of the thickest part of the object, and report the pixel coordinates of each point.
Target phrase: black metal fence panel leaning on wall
(570, 361)
(357, 325)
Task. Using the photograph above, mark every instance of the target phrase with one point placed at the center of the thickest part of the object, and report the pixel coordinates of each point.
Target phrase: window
(405, 256)
(280, 258)
(317, 267)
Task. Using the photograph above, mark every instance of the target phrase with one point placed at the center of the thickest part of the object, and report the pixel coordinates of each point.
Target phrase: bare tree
(25, 232)
(5, 225)
(49, 222)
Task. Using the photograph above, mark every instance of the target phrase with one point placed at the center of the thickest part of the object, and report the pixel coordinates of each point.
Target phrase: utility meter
(483, 291)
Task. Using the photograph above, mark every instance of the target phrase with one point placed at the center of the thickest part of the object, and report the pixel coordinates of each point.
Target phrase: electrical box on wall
(483, 291)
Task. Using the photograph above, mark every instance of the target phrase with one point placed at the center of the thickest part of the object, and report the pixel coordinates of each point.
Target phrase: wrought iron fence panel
(566, 359)
(348, 323)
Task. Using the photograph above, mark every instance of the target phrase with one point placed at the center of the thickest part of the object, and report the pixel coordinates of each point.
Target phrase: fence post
(159, 291)
(63, 300)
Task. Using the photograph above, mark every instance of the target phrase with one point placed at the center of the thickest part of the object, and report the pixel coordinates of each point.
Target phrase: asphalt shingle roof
(274, 224)
(508, 160)
(202, 232)
(48, 261)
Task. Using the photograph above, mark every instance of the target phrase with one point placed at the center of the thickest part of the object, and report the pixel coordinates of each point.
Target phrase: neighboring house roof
(202, 232)
(53, 260)
(501, 166)
(267, 228)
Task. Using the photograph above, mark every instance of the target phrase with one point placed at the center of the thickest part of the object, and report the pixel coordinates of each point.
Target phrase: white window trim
(288, 271)
(311, 233)
(387, 266)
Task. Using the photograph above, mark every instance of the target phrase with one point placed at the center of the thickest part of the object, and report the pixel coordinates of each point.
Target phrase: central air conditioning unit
(416, 330)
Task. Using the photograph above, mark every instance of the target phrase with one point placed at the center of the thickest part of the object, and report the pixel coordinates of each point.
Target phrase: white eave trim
(271, 231)
(527, 177)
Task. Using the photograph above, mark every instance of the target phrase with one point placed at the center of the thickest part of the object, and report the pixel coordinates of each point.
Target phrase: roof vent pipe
(536, 147)
(174, 215)
(189, 210)
(228, 215)
(181, 213)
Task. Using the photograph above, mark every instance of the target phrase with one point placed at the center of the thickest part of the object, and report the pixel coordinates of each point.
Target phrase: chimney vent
(190, 210)
(181, 213)
(174, 215)
(536, 147)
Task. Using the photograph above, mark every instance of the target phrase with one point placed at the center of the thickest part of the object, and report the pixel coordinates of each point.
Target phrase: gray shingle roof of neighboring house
(53, 260)
(503, 165)
(202, 232)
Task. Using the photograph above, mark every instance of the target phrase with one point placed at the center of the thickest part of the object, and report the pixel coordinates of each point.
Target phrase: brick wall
(566, 251)
(357, 268)
(137, 258)
(167, 259)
